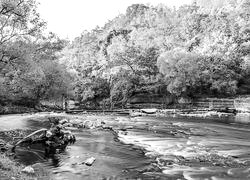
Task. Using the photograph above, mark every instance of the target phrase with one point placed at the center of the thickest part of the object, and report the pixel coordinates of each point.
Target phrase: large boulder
(89, 161)
(28, 170)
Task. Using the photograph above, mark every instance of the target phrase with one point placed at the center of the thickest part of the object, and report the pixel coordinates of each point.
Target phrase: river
(146, 147)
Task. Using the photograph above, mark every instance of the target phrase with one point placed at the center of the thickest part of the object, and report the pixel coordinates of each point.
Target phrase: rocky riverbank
(131, 129)
(13, 109)
(10, 169)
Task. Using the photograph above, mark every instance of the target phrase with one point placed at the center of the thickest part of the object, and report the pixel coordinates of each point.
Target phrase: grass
(11, 170)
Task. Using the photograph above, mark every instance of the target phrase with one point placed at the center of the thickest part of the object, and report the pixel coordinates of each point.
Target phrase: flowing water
(147, 147)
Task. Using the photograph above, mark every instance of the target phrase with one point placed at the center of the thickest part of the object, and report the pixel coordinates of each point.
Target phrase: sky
(69, 18)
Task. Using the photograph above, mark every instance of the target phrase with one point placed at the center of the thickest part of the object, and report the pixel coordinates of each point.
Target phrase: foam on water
(208, 150)
(165, 146)
(183, 148)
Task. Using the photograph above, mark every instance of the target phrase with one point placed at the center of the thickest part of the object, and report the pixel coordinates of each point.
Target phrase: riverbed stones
(89, 161)
(48, 134)
(40, 170)
(28, 170)
(149, 111)
(107, 127)
(68, 124)
(76, 122)
(167, 160)
(135, 114)
(71, 128)
(81, 125)
(63, 121)
(88, 124)
(149, 168)
(122, 132)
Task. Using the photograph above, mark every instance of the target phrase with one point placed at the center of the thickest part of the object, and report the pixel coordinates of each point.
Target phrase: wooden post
(63, 102)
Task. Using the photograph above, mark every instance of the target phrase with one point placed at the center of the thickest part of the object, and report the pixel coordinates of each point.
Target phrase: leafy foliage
(195, 50)
(29, 66)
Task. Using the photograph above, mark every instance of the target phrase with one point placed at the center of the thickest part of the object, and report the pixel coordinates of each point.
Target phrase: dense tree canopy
(196, 50)
(29, 66)
(201, 49)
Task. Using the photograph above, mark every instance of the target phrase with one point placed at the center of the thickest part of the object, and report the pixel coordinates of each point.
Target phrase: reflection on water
(112, 158)
(151, 148)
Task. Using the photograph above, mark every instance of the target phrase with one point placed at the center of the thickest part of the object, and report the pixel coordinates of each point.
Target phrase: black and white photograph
(124, 89)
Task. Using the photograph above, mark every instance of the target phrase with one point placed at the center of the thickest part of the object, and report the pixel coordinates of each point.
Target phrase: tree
(30, 70)
(195, 50)
(181, 71)
(18, 21)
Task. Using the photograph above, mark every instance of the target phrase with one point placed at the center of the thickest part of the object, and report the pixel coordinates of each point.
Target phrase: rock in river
(28, 170)
(63, 121)
(89, 161)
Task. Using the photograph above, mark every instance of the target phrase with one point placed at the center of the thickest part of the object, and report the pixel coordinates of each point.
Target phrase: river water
(146, 147)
